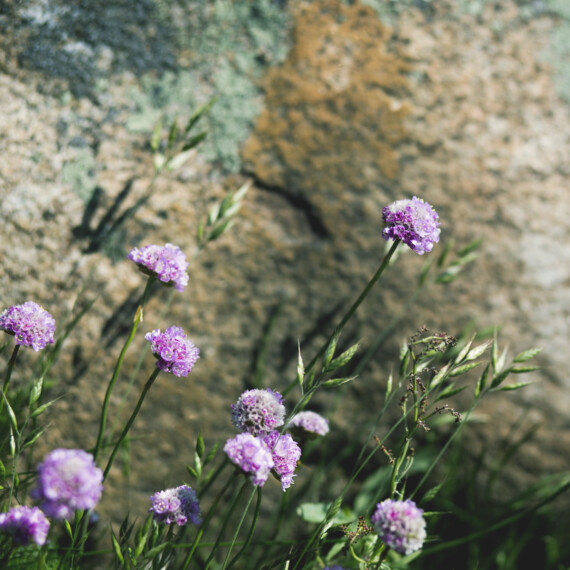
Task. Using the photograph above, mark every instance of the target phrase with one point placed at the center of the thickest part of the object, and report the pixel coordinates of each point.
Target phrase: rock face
(449, 108)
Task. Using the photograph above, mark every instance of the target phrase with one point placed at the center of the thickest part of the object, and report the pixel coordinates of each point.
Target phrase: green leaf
(448, 275)
(463, 369)
(430, 494)
(514, 386)
(482, 382)
(333, 382)
(192, 471)
(155, 138)
(156, 550)
(446, 249)
(11, 414)
(448, 392)
(464, 351)
(194, 141)
(219, 230)
(523, 369)
(2, 471)
(440, 376)
(195, 117)
(200, 447)
(499, 378)
(342, 359)
(212, 453)
(472, 246)
(330, 350)
(300, 368)
(172, 134)
(478, 351)
(41, 409)
(526, 355)
(178, 160)
(117, 548)
(35, 392)
(31, 441)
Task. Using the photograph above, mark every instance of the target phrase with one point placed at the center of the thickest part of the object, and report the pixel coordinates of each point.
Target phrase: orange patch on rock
(333, 111)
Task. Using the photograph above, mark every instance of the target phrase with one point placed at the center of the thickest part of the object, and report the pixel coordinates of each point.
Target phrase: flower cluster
(400, 524)
(179, 505)
(414, 222)
(25, 525)
(167, 263)
(30, 324)
(68, 480)
(251, 455)
(286, 453)
(175, 353)
(258, 411)
(310, 423)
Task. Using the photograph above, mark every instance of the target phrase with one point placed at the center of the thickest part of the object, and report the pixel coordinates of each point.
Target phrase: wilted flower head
(414, 222)
(167, 263)
(175, 353)
(179, 505)
(68, 480)
(252, 455)
(400, 524)
(310, 423)
(25, 525)
(258, 411)
(30, 324)
(286, 453)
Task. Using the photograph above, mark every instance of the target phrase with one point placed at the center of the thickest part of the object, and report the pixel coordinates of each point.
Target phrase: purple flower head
(174, 352)
(25, 525)
(258, 411)
(167, 263)
(179, 505)
(30, 324)
(400, 524)
(68, 480)
(251, 455)
(414, 222)
(310, 424)
(286, 454)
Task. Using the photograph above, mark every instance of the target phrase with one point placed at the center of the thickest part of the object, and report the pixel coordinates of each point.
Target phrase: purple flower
(30, 324)
(414, 222)
(310, 423)
(68, 480)
(400, 524)
(179, 505)
(285, 453)
(167, 263)
(25, 525)
(251, 455)
(174, 352)
(258, 411)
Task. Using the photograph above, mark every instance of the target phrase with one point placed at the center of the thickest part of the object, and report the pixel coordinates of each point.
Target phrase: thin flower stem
(131, 421)
(209, 516)
(226, 522)
(104, 410)
(351, 311)
(11, 364)
(251, 529)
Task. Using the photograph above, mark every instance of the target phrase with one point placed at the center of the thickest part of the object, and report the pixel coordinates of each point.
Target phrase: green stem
(209, 516)
(104, 410)
(251, 529)
(226, 522)
(11, 364)
(131, 421)
(350, 312)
